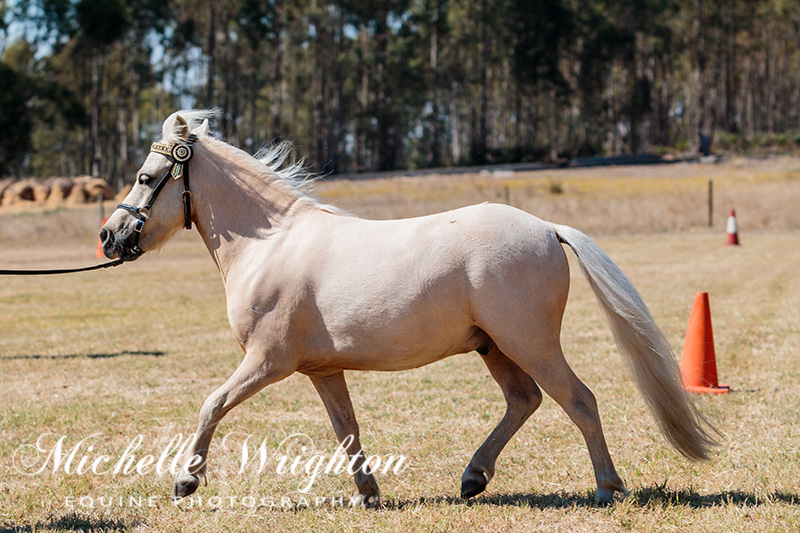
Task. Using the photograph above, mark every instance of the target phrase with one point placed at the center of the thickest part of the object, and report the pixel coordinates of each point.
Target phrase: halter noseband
(179, 154)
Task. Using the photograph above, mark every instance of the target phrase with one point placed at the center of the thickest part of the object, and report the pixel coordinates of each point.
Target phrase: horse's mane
(293, 176)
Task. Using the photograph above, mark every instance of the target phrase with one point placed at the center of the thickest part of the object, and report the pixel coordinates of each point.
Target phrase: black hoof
(184, 489)
(373, 502)
(471, 488)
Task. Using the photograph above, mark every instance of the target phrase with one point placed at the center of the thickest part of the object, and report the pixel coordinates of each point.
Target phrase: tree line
(362, 85)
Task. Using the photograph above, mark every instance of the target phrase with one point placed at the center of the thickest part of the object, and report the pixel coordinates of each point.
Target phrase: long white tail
(644, 347)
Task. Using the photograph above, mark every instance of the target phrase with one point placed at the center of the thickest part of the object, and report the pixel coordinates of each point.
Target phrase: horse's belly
(384, 355)
(397, 333)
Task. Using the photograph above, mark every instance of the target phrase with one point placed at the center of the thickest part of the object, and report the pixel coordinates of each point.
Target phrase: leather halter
(179, 154)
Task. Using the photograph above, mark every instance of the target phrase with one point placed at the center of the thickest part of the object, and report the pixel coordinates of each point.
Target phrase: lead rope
(115, 262)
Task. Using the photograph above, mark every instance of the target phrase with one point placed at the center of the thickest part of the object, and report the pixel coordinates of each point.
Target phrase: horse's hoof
(365, 501)
(185, 487)
(472, 487)
(605, 497)
(605, 494)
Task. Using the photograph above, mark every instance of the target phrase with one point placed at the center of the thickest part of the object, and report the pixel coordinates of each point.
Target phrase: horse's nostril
(105, 235)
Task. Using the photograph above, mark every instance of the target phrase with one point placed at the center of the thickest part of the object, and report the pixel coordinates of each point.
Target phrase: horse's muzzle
(114, 248)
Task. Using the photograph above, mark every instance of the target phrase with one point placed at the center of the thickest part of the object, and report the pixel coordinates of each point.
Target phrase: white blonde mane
(293, 176)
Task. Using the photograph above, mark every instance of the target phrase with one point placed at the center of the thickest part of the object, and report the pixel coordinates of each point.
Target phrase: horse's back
(474, 240)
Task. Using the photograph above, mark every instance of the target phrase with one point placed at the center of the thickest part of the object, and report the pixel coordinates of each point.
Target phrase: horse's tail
(644, 347)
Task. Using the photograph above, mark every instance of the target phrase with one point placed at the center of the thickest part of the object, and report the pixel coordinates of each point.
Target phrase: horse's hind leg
(254, 373)
(553, 374)
(522, 397)
(333, 391)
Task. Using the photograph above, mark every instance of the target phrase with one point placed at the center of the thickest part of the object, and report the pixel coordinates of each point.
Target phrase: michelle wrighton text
(294, 456)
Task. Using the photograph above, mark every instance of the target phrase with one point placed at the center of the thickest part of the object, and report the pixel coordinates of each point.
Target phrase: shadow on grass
(152, 353)
(644, 497)
(74, 522)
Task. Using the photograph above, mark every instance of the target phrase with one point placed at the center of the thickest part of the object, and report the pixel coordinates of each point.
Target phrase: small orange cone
(99, 253)
(732, 229)
(699, 362)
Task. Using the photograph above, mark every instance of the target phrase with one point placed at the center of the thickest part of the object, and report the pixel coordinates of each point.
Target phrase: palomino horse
(313, 290)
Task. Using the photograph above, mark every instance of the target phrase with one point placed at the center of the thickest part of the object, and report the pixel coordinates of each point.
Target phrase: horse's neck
(236, 208)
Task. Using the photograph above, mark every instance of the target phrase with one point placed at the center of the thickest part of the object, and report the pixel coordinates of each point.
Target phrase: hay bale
(97, 186)
(4, 185)
(85, 190)
(19, 192)
(41, 190)
(78, 195)
(60, 190)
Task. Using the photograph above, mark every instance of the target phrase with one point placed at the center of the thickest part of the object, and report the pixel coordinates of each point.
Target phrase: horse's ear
(181, 128)
(202, 129)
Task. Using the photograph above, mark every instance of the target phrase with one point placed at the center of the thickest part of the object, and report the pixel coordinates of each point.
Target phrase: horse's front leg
(256, 371)
(333, 391)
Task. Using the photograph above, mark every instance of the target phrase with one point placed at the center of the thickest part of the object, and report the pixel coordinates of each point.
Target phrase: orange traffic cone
(732, 229)
(99, 253)
(699, 362)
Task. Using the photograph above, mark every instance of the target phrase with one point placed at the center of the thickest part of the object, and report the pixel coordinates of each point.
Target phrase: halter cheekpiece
(179, 154)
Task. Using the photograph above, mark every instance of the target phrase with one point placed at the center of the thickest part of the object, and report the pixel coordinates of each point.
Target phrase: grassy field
(135, 351)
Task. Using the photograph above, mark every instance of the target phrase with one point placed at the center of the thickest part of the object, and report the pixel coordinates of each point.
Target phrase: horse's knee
(212, 410)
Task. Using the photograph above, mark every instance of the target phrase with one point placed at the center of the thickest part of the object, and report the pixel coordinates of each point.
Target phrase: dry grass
(136, 350)
(607, 200)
